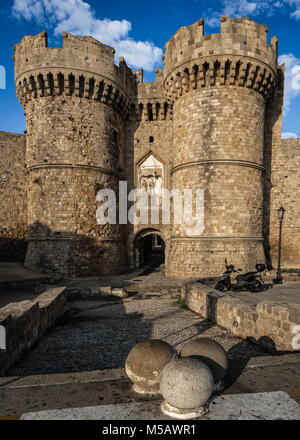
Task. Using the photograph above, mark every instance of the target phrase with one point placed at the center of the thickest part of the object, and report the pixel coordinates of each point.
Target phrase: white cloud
(242, 8)
(288, 135)
(29, 10)
(144, 52)
(238, 8)
(234, 8)
(78, 18)
(295, 8)
(292, 78)
(212, 19)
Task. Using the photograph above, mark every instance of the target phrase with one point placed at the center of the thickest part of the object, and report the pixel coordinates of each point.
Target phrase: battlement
(83, 67)
(244, 26)
(84, 53)
(149, 102)
(239, 55)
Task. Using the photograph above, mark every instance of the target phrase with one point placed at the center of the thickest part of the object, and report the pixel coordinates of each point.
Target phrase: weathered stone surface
(285, 191)
(120, 293)
(275, 325)
(256, 406)
(27, 321)
(186, 383)
(13, 197)
(211, 120)
(85, 152)
(210, 352)
(146, 362)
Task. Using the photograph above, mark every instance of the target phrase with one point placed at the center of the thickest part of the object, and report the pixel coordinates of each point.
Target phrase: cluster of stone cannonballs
(186, 381)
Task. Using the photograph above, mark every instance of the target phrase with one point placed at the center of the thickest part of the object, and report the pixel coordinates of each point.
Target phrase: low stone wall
(25, 322)
(272, 324)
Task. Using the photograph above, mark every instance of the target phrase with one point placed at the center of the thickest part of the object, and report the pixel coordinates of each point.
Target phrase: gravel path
(97, 335)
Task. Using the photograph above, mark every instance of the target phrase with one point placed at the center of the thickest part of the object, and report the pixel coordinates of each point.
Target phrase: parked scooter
(251, 281)
(225, 281)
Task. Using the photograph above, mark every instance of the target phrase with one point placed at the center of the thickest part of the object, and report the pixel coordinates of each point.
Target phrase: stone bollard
(212, 354)
(145, 363)
(186, 384)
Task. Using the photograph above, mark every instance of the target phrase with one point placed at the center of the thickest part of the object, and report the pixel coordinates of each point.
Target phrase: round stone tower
(76, 100)
(219, 85)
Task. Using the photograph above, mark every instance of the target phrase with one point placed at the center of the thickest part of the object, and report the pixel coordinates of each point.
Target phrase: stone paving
(281, 293)
(256, 406)
(97, 335)
(72, 365)
(145, 280)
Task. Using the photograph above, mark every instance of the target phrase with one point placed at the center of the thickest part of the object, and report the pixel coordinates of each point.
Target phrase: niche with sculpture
(151, 175)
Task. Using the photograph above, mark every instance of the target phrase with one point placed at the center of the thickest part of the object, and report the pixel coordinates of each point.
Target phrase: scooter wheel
(256, 287)
(220, 286)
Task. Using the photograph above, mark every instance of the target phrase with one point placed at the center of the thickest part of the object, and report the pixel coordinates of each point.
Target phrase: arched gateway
(149, 248)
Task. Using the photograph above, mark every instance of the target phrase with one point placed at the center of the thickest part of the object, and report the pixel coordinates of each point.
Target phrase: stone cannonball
(186, 383)
(145, 363)
(211, 353)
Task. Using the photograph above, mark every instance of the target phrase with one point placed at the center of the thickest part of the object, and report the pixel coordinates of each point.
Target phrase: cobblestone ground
(97, 335)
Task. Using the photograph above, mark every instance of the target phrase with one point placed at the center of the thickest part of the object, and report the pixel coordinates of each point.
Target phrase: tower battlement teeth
(244, 24)
(238, 55)
(83, 68)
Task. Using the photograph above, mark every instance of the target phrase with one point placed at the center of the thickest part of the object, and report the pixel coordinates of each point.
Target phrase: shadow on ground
(96, 338)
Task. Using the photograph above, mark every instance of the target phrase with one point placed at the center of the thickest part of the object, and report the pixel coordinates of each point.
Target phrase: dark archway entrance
(149, 248)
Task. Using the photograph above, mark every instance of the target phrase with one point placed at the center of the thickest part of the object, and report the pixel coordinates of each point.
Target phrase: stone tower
(219, 85)
(76, 100)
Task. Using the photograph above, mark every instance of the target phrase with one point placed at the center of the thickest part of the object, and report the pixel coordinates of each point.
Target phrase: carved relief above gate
(150, 176)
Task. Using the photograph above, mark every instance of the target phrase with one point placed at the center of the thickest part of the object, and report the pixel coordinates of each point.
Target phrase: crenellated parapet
(76, 101)
(82, 68)
(238, 56)
(219, 86)
(150, 103)
(151, 110)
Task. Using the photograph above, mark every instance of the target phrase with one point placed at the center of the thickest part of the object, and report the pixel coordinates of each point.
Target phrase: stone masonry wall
(150, 133)
(76, 101)
(239, 36)
(273, 143)
(63, 183)
(273, 325)
(218, 85)
(225, 160)
(13, 197)
(286, 192)
(212, 118)
(25, 322)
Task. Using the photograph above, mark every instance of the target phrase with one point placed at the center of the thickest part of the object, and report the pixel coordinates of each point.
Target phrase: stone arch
(139, 243)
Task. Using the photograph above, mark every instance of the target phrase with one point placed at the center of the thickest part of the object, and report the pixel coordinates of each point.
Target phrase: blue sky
(139, 30)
